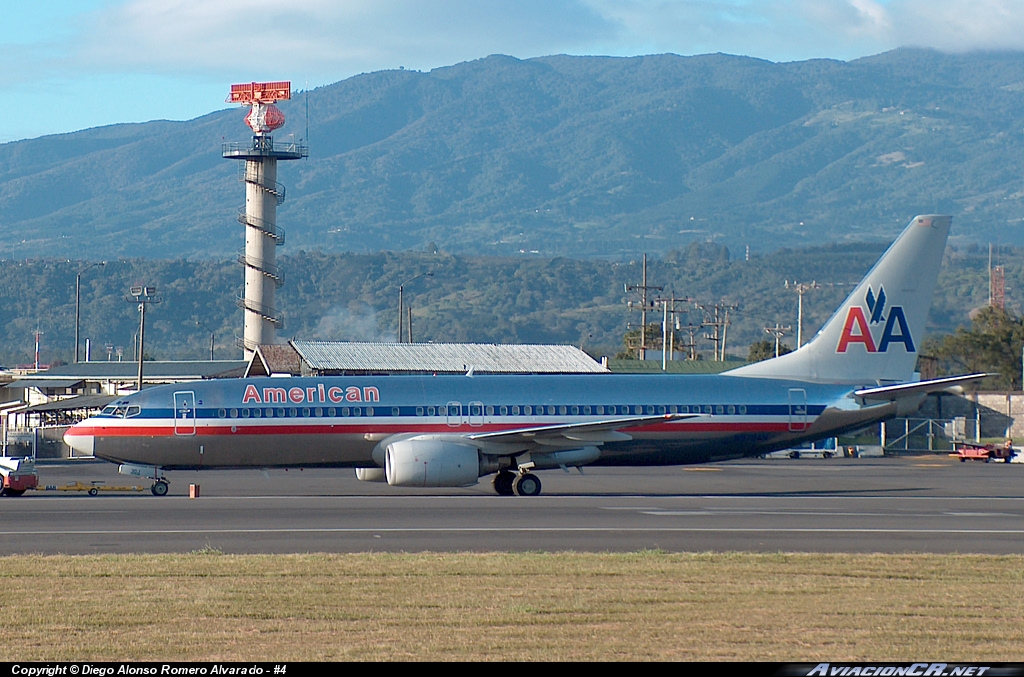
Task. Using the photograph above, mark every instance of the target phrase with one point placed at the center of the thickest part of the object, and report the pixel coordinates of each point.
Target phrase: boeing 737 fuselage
(442, 431)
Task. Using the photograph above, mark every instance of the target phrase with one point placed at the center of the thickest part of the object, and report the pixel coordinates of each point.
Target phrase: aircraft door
(476, 414)
(454, 414)
(185, 413)
(797, 410)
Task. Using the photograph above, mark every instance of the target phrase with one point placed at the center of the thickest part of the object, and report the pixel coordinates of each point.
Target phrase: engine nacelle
(370, 474)
(431, 463)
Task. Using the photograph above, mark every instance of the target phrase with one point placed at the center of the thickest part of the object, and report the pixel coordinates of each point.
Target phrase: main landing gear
(523, 484)
(159, 487)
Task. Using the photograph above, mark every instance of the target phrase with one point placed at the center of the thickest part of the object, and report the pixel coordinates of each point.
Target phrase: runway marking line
(371, 530)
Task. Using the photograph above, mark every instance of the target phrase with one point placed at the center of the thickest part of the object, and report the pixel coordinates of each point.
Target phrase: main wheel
(526, 484)
(159, 488)
(503, 483)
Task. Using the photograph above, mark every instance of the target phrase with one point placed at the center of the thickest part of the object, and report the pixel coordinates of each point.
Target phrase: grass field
(639, 606)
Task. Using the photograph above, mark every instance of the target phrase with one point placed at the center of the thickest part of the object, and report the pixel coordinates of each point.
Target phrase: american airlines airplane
(448, 431)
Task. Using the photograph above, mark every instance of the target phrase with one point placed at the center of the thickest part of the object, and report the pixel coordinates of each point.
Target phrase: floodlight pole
(143, 296)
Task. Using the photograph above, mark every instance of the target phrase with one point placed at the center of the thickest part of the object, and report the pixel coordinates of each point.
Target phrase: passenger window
(222, 413)
(562, 410)
(344, 411)
(256, 413)
(430, 411)
(234, 413)
(419, 411)
(280, 413)
(528, 410)
(369, 411)
(743, 409)
(394, 411)
(731, 409)
(332, 412)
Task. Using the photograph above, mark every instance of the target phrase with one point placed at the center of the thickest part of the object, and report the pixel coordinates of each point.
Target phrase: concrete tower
(262, 196)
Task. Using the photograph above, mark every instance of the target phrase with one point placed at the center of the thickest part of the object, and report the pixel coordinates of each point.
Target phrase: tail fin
(875, 334)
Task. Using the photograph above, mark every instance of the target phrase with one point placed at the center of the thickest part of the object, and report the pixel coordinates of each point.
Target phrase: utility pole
(669, 325)
(719, 320)
(800, 288)
(78, 300)
(401, 303)
(778, 331)
(643, 289)
(143, 296)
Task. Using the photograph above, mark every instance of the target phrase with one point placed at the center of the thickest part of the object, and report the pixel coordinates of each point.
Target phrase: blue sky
(73, 64)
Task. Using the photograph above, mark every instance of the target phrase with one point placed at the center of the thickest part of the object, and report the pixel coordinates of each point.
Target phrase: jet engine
(431, 463)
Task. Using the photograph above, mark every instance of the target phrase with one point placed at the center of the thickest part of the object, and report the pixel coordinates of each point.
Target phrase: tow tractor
(986, 453)
(17, 475)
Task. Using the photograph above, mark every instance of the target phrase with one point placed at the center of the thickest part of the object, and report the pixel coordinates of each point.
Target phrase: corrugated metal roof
(335, 356)
(71, 403)
(151, 370)
(45, 383)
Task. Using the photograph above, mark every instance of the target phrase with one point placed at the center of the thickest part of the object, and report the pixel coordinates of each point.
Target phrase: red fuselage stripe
(327, 429)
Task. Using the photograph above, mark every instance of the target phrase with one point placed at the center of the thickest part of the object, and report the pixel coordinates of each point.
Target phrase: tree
(992, 344)
(631, 340)
(763, 350)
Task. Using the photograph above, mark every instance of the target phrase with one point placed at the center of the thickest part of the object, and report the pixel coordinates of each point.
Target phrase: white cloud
(328, 39)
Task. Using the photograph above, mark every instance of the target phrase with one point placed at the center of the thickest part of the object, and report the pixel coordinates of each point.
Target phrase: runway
(917, 504)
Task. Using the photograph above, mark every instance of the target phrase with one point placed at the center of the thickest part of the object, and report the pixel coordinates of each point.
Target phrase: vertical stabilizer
(876, 333)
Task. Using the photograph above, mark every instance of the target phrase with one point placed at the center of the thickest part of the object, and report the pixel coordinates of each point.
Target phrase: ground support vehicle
(986, 453)
(92, 488)
(17, 475)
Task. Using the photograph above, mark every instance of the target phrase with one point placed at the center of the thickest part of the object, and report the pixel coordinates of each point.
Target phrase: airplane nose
(83, 443)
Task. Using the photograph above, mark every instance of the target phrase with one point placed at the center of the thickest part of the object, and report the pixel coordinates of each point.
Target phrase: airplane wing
(901, 390)
(561, 435)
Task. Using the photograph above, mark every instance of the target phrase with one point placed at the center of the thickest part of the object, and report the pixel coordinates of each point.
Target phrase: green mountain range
(586, 157)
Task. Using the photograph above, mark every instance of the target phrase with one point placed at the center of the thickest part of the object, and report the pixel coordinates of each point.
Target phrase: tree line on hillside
(520, 299)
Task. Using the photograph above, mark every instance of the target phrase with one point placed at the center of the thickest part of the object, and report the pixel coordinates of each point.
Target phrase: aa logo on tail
(857, 327)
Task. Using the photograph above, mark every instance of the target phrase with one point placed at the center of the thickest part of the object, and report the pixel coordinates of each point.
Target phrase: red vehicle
(17, 475)
(987, 452)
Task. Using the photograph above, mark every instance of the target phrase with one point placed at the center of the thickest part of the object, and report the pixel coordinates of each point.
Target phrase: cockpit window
(108, 411)
(133, 410)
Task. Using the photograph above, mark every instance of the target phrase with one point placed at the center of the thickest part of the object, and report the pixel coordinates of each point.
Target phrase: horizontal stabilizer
(895, 392)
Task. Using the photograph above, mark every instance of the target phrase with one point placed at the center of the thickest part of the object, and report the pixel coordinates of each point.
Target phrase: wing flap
(594, 432)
